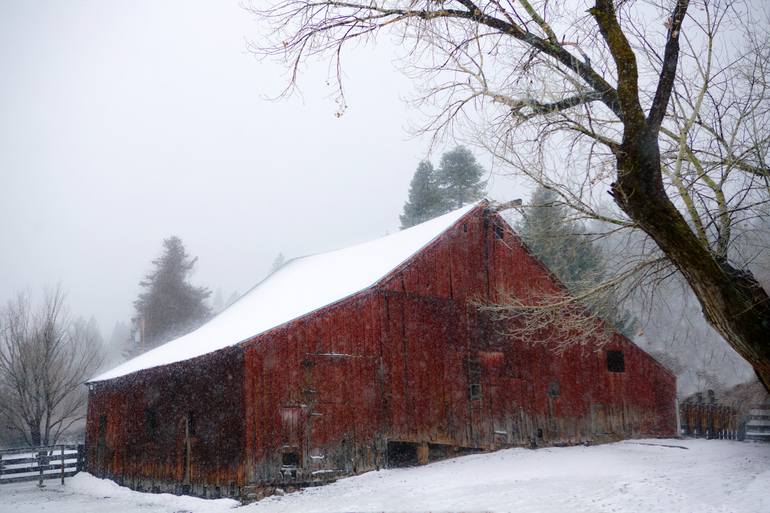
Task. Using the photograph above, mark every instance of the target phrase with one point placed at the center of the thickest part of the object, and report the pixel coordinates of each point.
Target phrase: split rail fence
(38, 464)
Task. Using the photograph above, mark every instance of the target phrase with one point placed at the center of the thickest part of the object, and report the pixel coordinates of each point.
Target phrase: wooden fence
(52, 462)
(709, 420)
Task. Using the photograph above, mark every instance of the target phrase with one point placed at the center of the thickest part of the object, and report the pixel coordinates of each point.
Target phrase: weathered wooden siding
(528, 394)
(173, 428)
(411, 360)
(312, 392)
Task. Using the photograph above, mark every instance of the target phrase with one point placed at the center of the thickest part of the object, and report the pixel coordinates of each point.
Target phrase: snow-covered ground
(633, 476)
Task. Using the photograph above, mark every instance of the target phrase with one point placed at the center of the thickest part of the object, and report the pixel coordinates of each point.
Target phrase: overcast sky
(125, 122)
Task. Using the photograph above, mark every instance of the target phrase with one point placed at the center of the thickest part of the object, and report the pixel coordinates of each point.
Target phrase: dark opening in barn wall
(290, 463)
(101, 442)
(290, 459)
(150, 423)
(402, 454)
(615, 361)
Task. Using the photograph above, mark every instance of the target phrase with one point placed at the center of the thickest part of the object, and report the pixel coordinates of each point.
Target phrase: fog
(124, 123)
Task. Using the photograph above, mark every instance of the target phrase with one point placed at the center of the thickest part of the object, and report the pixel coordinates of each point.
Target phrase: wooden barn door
(341, 395)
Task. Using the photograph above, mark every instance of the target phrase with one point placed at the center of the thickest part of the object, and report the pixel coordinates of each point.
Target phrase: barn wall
(439, 347)
(171, 429)
(312, 395)
(411, 361)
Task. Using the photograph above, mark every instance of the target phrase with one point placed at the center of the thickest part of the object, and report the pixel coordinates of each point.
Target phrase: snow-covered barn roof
(301, 286)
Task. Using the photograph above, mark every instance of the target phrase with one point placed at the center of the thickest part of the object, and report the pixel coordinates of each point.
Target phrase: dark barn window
(475, 392)
(499, 231)
(290, 459)
(150, 423)
(190, 423)
(553, 389)
(615, 361)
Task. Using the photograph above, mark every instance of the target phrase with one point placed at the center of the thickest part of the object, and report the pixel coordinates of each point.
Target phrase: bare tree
(649, 101)
(44, 362)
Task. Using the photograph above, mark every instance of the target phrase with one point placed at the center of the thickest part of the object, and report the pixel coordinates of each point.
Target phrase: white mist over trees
(45, 357)
(433, 192)
(562, 243)
(170, 305)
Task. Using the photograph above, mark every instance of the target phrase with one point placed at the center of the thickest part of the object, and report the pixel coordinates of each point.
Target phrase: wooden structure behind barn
(401, 371)
(741, 412)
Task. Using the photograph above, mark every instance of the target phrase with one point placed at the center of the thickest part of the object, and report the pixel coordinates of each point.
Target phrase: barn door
(293, 420)
(340, 391)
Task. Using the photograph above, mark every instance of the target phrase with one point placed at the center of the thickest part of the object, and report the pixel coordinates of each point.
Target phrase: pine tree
(433, 192)
(460, 177)
(170, 306)
(562, 245)
(426, 200)
(559, 242)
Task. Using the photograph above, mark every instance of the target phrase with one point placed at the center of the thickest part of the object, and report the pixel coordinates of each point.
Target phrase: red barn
(370, 356)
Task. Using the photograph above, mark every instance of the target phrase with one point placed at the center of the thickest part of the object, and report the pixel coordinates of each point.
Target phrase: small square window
(616, 361)
(475, 392)
(553, 389)
(499, 231)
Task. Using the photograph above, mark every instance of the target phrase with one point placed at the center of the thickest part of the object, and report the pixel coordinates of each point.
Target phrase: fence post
(81, 463)
(62, 465)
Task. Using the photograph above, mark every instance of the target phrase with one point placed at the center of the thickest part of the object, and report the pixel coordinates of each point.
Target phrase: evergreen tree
(562, 245)
(433, 192)
(277, 263)
(217, 303)
(460, 177)
(170, 306)
(559, 242)
(426, 200)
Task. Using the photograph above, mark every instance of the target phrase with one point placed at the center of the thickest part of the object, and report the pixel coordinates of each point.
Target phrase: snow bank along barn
(365, 357)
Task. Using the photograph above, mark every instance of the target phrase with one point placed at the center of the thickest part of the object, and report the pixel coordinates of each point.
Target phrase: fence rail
(38, 464)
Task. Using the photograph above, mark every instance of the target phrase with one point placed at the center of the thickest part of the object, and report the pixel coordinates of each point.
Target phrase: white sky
(125, 122)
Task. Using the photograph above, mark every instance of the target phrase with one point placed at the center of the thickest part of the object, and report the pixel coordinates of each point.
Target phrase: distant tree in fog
(169, 306)
(217, 304)
(563, 245)
(460, 177)
(44, 360)
(280, 259)
(235, 296)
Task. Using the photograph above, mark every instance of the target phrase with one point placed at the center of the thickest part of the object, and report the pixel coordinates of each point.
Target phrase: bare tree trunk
(34, 435)
(733, 301)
